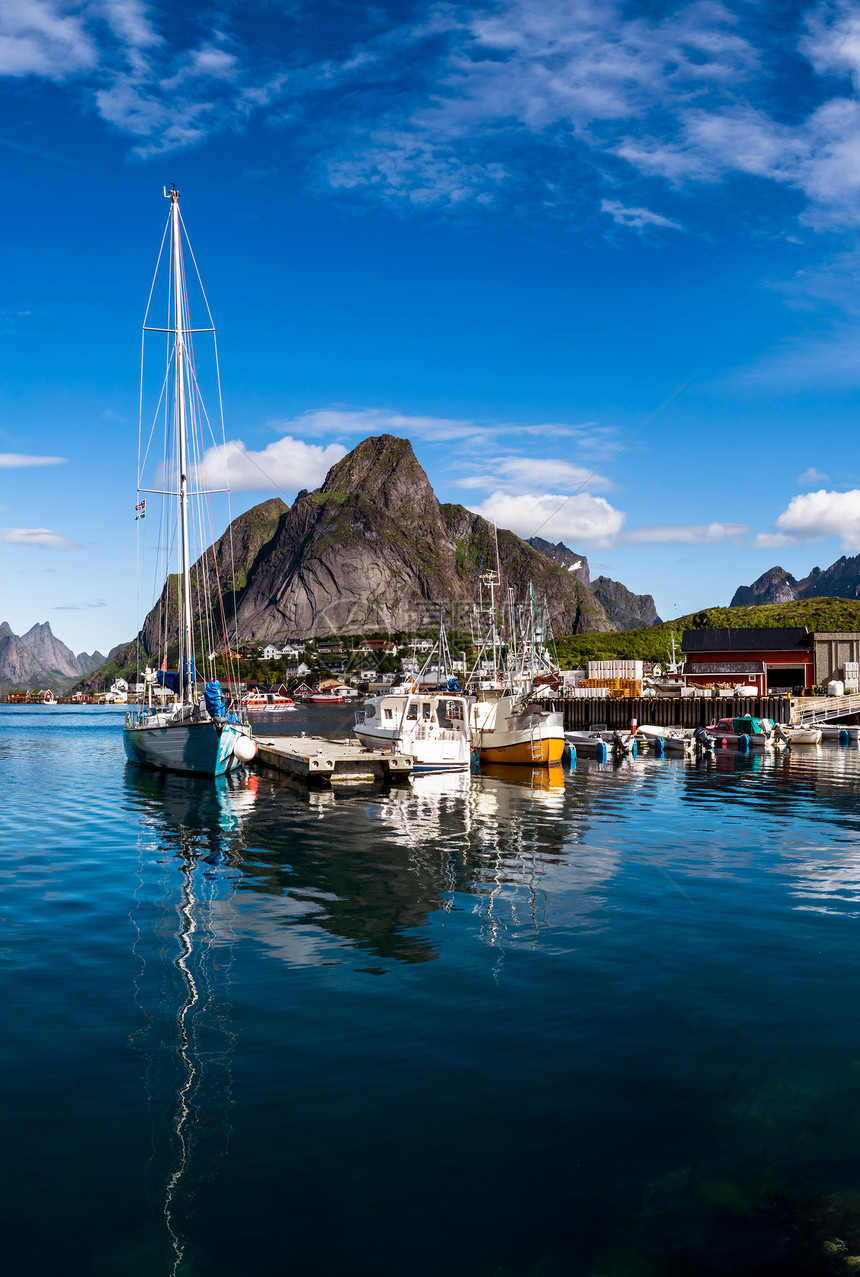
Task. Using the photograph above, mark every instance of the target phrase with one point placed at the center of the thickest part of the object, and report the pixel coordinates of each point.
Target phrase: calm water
(490, 1026)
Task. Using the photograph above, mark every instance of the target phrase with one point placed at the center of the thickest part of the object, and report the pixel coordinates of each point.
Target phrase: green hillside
(814, 613)
(655, 644)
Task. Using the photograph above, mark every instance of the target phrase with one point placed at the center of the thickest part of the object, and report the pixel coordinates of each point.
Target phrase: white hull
(197, 748)
(803, 735)
(437, 752)
(418, 725)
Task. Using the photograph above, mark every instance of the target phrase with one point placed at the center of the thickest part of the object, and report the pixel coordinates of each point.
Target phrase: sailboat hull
(198, 749)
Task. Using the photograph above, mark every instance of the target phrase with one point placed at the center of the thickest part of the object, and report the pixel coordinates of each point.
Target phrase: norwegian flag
(141, 505)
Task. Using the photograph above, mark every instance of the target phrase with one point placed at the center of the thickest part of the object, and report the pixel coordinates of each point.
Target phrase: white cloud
(286, 465)
(580, 519)
(812, 476)
(637, 218)
(41, 37)
(516, 473)
(773, 540)
(696, 534)
(18, 460)
(824, 513)
(36, 537)
(370, 421)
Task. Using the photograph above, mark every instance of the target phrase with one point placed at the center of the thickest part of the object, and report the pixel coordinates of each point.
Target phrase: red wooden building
(773, 660)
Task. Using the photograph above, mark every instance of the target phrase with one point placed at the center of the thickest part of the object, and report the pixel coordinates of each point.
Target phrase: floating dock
(319, 761)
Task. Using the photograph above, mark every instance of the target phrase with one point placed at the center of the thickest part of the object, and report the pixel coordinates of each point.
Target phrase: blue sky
(507, 231)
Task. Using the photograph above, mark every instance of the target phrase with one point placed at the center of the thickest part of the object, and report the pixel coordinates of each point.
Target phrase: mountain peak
(383, 468)
(6, 630)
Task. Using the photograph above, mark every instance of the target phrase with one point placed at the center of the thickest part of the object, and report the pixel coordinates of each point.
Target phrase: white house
(270, 652)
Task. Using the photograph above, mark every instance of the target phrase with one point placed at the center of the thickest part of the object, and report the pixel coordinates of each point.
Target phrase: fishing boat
(515, 727)
(518, 730)
(196, 734)
(325, 698)
(433, 727)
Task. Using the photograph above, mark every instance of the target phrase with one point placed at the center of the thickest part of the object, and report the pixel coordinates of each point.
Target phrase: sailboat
(195, 734)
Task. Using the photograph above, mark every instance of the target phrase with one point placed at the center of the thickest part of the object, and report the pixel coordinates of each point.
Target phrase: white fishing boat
(433, 727)
(196, 734)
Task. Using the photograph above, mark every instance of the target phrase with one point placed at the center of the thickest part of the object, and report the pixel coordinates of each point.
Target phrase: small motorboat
(799, 735)
(746, 730)
(840, 731)
(325, 698)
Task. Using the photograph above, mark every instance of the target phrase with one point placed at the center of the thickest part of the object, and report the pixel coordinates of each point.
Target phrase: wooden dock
(319, 761)
(670, 711)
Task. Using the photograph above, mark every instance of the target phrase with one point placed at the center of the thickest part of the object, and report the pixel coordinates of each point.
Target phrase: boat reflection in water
(190, 854)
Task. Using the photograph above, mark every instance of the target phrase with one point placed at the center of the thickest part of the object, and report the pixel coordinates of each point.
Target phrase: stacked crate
(620, 678)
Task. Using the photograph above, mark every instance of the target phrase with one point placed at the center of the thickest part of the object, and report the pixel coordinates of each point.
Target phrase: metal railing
(810, 710)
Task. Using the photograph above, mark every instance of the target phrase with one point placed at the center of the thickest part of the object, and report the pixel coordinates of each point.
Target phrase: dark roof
(758, 640)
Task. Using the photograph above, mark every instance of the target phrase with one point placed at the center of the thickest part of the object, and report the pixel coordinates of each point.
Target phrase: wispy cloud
(693, 534)
(517, 473)
(471, 104)
(637, 218)
(19, 460)
(36, 538)
(78, 607)
(812, 476)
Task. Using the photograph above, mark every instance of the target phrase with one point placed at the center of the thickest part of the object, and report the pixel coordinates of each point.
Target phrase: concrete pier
(320, 761)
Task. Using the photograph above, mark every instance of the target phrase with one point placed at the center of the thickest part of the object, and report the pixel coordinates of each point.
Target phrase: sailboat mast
(182, 429)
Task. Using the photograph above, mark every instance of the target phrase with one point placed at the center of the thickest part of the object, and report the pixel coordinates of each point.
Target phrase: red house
(773, 660)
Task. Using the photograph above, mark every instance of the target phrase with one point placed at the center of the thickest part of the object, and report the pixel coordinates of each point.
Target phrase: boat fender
(844, 738)
(659, 747)
(244, 749)
(743, 742)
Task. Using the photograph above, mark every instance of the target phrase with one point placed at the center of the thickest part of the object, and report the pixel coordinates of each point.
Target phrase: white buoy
(244, 748)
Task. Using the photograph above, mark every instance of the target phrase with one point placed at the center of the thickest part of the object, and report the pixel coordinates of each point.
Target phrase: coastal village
(430, 673)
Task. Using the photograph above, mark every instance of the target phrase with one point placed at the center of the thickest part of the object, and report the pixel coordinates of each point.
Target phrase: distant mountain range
(625, 610)
(840, 581)
(39, 659)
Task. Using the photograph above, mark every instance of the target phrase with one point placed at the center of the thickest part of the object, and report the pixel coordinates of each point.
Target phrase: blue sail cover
(171, 678)
(214, 698)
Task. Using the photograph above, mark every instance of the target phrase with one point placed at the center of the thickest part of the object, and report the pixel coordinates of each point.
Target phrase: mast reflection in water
(184, 918)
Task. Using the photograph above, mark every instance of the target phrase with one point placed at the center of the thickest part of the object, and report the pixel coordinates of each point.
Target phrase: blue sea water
(498, 1025)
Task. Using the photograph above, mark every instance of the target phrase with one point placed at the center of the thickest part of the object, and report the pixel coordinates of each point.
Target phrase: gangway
(809, 711)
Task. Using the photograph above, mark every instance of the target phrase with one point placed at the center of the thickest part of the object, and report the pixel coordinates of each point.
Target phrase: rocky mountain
(372, 549)
(774, 586)
(840, 581)
(626, 610)
(89, 661)
(39, 659)
(564, 557)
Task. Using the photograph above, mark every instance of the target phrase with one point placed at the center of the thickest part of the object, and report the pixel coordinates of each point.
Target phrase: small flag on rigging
(141, 510)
